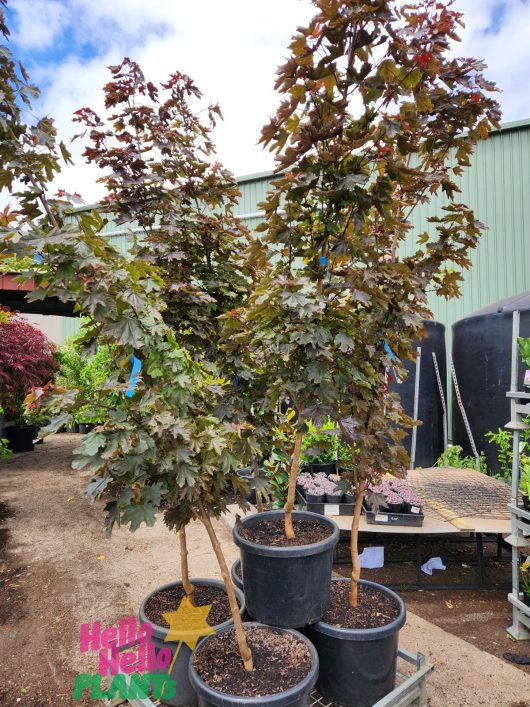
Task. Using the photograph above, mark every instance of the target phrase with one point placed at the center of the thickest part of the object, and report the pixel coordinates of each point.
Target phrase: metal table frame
(477, 539)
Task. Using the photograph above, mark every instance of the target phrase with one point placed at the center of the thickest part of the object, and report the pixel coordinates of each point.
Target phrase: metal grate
(410, 689)
(316, 699)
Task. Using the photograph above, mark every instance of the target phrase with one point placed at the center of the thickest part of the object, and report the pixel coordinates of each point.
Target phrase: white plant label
(415, 509)
(381, 518)
(331, 509)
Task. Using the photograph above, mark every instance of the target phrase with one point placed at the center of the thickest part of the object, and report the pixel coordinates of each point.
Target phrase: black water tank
(482, 345)
(430, 435)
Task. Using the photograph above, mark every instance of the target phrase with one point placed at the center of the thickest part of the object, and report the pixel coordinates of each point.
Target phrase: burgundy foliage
(26, 361)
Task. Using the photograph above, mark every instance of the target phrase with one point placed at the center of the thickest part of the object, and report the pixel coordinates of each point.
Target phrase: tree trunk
(259, 500)
(184, 570)
(293, 475)
(246, 655)
(354, 545)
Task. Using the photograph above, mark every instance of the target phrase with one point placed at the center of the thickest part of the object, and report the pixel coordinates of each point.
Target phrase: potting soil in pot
(374, 607)
(272, 532)
(169, 599)
(281, 661)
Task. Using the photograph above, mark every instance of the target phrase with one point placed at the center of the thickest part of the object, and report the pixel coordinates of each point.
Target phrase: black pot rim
(237, 581)
(366, 634)
(291, 551)
(161, 631)
(279, 699)
(19, 426)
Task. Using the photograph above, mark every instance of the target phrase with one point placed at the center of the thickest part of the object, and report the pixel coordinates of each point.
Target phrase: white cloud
(40, 22)
(231, 49)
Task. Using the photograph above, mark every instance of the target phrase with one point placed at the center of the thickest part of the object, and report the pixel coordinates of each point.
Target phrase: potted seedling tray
(326, 509)
(386, 518)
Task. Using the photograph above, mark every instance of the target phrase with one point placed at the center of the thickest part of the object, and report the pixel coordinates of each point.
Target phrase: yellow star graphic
(188, 623)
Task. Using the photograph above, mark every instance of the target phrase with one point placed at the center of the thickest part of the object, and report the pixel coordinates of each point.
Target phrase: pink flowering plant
(392, 491)
(393, 498)
(319, 484)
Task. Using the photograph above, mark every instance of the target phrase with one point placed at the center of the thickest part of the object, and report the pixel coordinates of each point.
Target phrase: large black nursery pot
(287, 586)
(20, 437)
(236, 579)
(297, 696)
(185, 695)
(358, 666)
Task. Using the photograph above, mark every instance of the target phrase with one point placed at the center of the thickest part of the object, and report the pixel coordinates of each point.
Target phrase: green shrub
(86, 374)
(4, 449)
(453, 457)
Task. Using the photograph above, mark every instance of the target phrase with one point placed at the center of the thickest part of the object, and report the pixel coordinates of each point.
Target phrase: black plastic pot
(348, 498)
(236, 579)
(395, 507)
(185, 694)
(315, 497)
(526, 502)
(86, 427)
(407, 508)
(20, 437)
(357, 666)
(301, 490)
(333, 497)
(297, 696)
(526, 598)
(287, 586)
(323, 468)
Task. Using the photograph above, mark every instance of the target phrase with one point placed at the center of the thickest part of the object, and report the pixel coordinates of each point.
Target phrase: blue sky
(230, 48)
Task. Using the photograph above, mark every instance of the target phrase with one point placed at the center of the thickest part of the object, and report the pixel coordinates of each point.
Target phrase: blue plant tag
(38, 257)
(323, 260)
(389, 351)
(133, 379)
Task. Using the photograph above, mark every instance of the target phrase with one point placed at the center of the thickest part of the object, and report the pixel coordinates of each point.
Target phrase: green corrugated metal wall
(497, 186)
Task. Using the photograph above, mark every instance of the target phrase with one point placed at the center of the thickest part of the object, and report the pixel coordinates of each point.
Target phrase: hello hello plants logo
(129, 660)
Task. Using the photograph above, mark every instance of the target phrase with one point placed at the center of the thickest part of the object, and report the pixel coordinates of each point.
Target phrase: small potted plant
(319, 448)
(333, 492)
(394, 502)
(315, 491)
(412, 503)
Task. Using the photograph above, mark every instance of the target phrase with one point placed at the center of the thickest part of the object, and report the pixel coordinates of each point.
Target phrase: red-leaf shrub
(26, 361)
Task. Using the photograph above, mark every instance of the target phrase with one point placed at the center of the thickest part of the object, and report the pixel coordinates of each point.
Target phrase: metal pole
(442, 398)
(513, 416)
(464, 416)
(416, 400)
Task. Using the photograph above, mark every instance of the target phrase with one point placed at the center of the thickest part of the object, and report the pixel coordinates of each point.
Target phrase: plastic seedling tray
(326, 509)
(382, 518)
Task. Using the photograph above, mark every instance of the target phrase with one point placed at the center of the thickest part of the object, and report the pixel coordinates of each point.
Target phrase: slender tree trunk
(293, 475)
(259, 500)
(246, 655)
(184, 570)
(354, 545)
